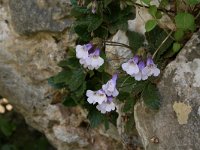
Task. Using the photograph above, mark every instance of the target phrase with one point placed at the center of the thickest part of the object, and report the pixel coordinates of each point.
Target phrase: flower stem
(117, 44)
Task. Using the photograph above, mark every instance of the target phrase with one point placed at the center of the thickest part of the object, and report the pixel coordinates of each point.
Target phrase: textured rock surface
(177, 124)
(25, 64)
(30, 16)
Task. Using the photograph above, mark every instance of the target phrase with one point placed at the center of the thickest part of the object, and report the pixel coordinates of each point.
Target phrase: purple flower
(82, 50)
(131, 66)
(151, 68)
(110, 87)
(140, 75)
(88, 56)
(94, 61)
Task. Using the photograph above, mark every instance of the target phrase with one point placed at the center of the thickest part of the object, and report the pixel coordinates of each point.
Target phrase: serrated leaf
(62, 77)
(101, 33)
(82, 32)
(76, 80)
(128, 104)
(139, 87)
(125, 84)
(70, 63)
(123, 96)
(150, 25)
(55, 85)
(185, 21)
(81, 90)
(95, 22)
(136, 40)
(151, 97)
(95, 117)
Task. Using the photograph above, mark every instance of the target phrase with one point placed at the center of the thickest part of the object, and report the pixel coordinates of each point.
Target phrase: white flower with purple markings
(82, 51)
(140, 75)
(106, 106)
(96, 96)
(131, 67)
(93, 61)
(151, 68)
(110, 87)
(89, 56)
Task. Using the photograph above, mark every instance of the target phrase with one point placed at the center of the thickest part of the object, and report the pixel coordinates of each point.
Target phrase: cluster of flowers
(136, 67)
(139, 69)
(105, 96)
(88, 56)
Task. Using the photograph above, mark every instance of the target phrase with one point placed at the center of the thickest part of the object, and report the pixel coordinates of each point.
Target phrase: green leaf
(146, 2)
(125, 84)
(178, 35)
(151, 96)
(62, 77)
(82, 32)
(136, 40)
(150, 25)
(81, 90)
(76, 80)
(193, 2)
(176, 47)
(155, 39)
(78, 11)
(139, 87)
(129, 103)
(70, 63)
(185, 21)
(95, 117)
(152, 10)
(101, 33)
(95, 22)
(69, 102)
(123, 96)
(7, 127)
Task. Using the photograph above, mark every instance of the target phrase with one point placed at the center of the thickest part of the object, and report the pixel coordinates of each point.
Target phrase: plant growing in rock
(85, 79)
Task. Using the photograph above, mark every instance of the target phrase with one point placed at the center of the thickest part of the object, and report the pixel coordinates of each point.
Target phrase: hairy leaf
(136, 40)
(151, 96)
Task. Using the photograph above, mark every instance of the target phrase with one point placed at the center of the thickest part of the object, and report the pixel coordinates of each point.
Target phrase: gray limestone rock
(31, 16)
(26, 62)
(177, 124)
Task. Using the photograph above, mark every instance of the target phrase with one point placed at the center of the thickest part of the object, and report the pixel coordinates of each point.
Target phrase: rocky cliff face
(177, 124)
(34, 36)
